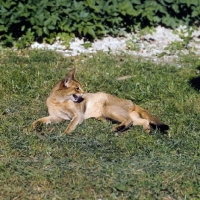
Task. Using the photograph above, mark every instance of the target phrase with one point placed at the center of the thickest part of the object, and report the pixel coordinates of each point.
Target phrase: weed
(132, 44)
(87, 45)
(179, 47)
(185, 34)
(26, 40)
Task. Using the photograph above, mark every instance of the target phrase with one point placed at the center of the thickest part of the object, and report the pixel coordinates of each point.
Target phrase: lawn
(92, 162)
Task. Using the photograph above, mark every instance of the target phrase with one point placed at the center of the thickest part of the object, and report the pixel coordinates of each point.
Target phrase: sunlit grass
(92, 162)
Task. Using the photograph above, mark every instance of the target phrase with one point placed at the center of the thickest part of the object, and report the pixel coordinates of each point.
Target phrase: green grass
(92, 162)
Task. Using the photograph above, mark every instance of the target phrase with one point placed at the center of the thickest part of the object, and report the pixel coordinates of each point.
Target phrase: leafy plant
(65, 38)
(185, 34)
(175, 46)
(87, 45)
(25, 40)
(132, 44)
(89, 18)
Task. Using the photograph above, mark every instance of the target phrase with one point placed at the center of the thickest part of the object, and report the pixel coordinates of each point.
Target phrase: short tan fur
(67, 101)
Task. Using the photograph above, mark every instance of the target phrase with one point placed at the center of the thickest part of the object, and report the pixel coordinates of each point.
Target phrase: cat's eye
(77, 89)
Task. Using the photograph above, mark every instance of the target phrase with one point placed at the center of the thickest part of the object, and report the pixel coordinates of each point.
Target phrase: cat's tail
(153, 120)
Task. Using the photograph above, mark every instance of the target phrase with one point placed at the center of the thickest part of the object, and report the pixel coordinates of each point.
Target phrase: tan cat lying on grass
(67, 101)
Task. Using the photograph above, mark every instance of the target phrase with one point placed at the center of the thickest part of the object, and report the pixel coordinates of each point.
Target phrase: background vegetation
(35, 20)
(92, 162)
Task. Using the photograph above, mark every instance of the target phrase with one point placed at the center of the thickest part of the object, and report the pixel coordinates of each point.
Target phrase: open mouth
(77, 98)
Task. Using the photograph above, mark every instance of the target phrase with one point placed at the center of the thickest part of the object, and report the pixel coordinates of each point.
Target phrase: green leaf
(83, 14)
(40, 19)
(2, 21)
(132, 12)
(22, 28)
(58, 3)
(85, 31)
(192, 2)
(51, 27)
(123, 12)
(169, 21)
(162, 9)
(125, 5)
(100, 26)
(80, 29)
(156, 19)
(3, 10)
(91, 32)
(46, 30)
(91, 3)
(195, 2)
(150, 17)
(136, 2)
(39, 31)
(169, 1)
(47, 22)
(195, 13)
(3, 28)
(175, 8)
(9, 4)
(32, 20)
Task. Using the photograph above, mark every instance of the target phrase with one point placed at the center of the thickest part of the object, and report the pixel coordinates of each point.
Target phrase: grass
(92, 162)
